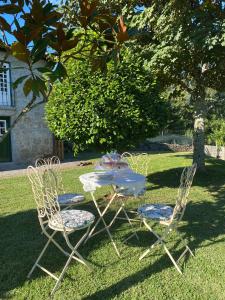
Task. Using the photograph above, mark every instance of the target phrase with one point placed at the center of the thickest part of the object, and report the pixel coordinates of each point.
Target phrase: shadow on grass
(204, 219)
(21, 241)
(131, 280)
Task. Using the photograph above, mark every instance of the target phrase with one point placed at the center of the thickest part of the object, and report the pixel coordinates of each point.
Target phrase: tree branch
(25, 110)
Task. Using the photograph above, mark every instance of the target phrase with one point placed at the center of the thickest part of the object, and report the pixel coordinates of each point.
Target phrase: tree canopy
(183, 43)
(116, 110)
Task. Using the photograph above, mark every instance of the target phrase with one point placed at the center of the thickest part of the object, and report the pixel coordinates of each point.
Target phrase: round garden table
(120, 180)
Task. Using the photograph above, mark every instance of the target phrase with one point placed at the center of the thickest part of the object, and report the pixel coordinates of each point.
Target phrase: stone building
(30, 138)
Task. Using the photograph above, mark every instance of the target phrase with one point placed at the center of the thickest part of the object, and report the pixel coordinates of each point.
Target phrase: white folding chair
(52, 220)
(66, 200)
(138, 163)
(168, 216)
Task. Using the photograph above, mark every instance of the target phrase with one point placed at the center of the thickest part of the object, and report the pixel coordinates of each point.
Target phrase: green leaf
(43, 70)
(59, 72)
(38, 86)
(27, 88)
(19, 81)
(20, 51)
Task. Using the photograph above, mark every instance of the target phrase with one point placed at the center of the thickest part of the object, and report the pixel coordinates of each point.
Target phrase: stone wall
(161, 147)
(212, 151)
(31, 137)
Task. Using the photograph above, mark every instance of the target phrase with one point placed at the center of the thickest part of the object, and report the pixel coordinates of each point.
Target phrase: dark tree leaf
(19, 81)
(27, 88)
(10, 9)
(20, 51)
(4, 24)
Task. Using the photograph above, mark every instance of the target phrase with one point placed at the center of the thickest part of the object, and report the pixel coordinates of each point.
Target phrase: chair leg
(131, 225)
(192, 254)
(62, 273)
(41, 254)
(172, 259)
(79, 258)
(101, 215)
(73, 255)
(144, 254)
(160, 240)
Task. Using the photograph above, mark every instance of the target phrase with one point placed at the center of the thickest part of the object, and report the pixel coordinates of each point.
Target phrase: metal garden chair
(52, 164)
(139, 163)
(168, 216)
(52, 220)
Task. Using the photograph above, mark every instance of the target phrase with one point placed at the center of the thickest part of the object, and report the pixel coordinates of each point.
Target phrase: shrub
(108, 111)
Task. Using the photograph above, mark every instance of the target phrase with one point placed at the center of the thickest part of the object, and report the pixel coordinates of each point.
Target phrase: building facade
(30, 138)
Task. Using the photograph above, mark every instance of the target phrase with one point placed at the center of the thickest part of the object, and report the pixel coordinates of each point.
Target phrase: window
(5, 92)
(3, 127)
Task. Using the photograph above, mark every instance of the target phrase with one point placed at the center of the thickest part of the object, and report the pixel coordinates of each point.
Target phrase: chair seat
(71, 220)
(160, 212)
(68, 199)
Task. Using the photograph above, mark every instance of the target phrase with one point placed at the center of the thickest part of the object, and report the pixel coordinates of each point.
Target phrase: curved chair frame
(137, 161)
(52, 163)
(54, 166)
(45, 195)
(177, 215)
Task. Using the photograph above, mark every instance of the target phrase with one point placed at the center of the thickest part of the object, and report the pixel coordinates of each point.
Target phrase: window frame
(9, 100)
(5, 127)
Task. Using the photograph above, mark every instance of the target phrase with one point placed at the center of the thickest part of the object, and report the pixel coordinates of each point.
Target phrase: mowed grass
(120, 278)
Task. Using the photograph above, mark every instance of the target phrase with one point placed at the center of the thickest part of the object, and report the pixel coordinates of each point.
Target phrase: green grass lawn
(126, 278)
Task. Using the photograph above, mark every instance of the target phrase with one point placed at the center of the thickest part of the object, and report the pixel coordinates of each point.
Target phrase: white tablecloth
(128, 181)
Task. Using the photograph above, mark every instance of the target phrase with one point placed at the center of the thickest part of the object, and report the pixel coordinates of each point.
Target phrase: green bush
(217, 132)
(116, 110)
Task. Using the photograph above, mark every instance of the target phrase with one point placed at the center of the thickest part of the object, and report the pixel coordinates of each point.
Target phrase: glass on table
(112, 161)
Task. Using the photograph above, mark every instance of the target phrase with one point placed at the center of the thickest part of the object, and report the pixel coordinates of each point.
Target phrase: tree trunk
(199, 131)
(199, 143)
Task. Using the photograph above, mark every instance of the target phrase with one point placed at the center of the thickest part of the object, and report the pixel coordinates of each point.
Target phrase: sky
(9, 19)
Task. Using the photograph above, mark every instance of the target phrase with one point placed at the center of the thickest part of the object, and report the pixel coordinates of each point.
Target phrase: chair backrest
(45, 194)
(183, 192)
(138, 162)
(53, 165)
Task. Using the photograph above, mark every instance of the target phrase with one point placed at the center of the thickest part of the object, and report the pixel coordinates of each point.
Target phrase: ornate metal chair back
(183, 192)
(53, 165)
(45, 194)
(138, 162)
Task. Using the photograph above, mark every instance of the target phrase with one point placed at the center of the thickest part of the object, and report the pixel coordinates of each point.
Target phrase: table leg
(101, 214)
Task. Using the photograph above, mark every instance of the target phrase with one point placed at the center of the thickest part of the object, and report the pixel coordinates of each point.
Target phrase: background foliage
(217, 132)
(109, 111)
(183, 43)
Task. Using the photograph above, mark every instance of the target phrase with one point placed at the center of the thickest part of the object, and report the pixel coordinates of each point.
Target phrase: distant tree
(182, 108)
(116, 110)
(217, 133)
(183, 42)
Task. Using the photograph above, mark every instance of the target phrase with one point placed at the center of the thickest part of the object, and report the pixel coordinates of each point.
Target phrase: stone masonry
(31, 137)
